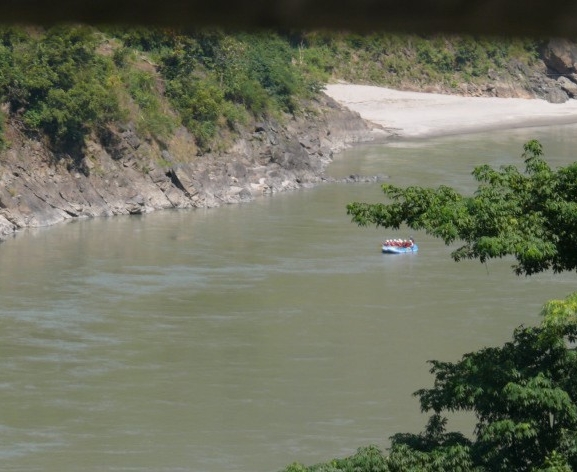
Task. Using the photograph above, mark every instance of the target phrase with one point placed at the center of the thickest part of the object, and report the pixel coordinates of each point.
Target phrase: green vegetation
(67, 83)
(524, 398)
(217, 81)
(56, 83)
(155, 117)
(411, 60)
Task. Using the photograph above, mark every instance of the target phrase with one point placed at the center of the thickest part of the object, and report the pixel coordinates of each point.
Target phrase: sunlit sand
(415, 114)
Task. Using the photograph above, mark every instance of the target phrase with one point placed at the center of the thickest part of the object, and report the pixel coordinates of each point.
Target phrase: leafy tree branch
(530, 214)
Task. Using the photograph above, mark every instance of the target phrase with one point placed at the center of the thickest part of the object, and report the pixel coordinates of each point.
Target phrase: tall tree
(531, 215)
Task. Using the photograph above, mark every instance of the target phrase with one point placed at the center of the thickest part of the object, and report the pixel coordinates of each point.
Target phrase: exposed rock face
(560, 56)
(569, 87)
(560, 59)
(122, 173)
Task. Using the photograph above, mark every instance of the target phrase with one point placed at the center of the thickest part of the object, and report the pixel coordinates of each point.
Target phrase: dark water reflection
(247, 337)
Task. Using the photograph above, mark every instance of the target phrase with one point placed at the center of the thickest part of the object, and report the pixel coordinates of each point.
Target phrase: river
(247, 337)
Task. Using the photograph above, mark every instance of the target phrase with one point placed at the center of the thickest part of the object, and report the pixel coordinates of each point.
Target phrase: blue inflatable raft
(399, 249)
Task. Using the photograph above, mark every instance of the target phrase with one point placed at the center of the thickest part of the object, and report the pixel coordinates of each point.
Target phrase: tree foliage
(215, 79)
(522, 394)
(531, 215)
(67, 81)
(57, 82)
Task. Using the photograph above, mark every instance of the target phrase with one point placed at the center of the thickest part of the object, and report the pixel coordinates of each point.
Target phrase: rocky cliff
(126, 174)
(121, 172)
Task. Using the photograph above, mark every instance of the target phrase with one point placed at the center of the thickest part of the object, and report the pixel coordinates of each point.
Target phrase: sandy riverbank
(415, 114)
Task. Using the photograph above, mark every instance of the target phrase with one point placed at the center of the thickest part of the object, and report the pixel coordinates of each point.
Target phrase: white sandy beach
(415, 114)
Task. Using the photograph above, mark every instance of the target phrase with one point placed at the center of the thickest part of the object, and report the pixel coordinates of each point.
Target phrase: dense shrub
(216, 80)
(153, 118)
(57, 82)
(409, 60)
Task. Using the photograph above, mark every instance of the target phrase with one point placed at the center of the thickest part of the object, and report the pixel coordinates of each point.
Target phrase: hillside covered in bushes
(67, 82)
(101, 121)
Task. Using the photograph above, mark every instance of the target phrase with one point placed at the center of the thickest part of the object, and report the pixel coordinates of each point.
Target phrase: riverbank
(38, 188)
(132, 174)
(421, 115)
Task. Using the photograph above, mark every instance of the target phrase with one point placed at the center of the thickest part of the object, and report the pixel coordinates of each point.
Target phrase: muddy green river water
(247, 337)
